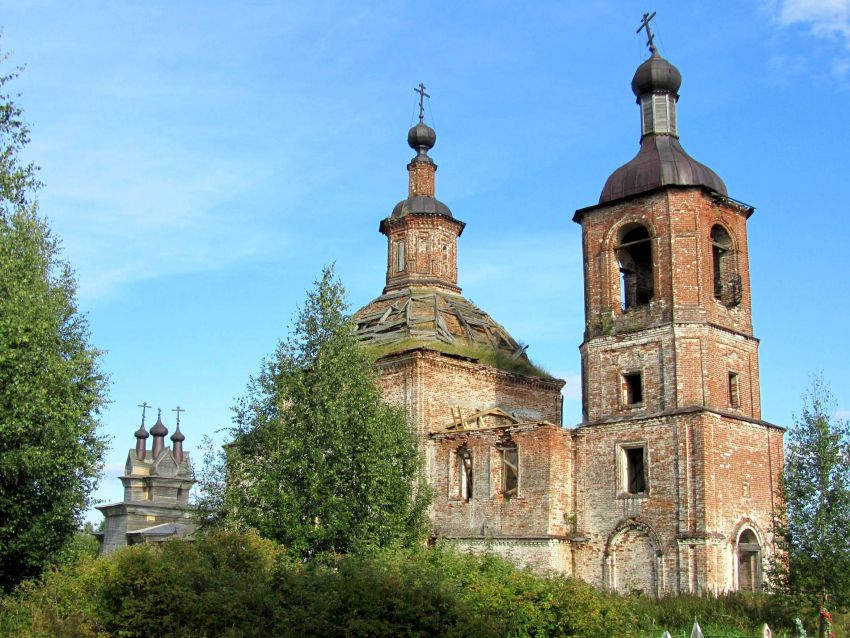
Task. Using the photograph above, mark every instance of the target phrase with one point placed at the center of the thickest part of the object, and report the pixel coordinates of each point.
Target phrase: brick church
(668, 484)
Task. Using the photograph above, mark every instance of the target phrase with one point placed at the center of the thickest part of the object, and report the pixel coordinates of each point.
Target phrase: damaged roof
(410, 318)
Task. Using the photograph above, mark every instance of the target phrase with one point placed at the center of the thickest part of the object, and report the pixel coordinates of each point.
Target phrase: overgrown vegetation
(237, 584)
(489, 356)
(814, 558)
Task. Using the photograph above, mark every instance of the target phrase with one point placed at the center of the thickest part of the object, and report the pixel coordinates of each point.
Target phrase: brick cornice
(741, 208)
(389, 224)
(526, 540)
(630, 418)
(448, 361)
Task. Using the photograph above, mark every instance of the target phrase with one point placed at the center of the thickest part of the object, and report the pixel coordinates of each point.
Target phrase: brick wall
(430, 252)
(685, 341)
(708, 475)
(679, 221)
(542, 504)
(429, 384)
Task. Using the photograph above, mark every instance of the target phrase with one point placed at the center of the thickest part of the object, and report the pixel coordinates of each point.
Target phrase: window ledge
(630, 496)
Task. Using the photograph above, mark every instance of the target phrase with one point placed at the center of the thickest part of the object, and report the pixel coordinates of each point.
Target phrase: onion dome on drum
(661, 160)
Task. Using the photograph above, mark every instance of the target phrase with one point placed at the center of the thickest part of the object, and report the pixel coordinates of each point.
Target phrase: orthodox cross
(144, 405)
(422, 95)
(649, 36)
(178, 410)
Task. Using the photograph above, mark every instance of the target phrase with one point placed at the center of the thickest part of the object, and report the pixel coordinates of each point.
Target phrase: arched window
(749, 561)
(634, 256)
(727, 281)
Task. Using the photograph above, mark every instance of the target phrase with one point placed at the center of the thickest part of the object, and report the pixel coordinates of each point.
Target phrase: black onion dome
(159, 428)
(141, 433)
(421, 137)
(420, 204)
(661, 161)
(178, 435)
(656, 74)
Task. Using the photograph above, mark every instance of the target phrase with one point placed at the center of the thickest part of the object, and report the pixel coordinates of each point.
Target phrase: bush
(239, 585)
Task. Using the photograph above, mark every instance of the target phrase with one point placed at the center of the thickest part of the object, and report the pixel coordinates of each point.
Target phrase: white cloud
(147, 214)
(842, 414)
(825, 18)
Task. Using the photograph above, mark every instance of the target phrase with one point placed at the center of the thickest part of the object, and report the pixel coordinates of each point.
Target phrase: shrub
(240, 585)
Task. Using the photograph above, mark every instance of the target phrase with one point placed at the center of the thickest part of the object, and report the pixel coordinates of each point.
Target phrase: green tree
(319, 462)
(814, 558)
(51, 388)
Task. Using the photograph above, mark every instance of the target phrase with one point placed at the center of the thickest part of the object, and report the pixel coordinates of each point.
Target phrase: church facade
(668, 485)
(156, 481)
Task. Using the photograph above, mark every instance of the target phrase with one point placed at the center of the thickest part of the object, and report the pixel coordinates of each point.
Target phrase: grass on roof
(488, 356)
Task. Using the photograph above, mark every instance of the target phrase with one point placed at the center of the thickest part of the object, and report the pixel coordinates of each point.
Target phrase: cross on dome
(144, 405)
(422, 95)
(650, 37)
(178, 410)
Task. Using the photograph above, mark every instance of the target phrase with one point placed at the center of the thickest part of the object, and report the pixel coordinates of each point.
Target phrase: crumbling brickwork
(685, 340)
(430, 385)
(675, 378)
(539, 509)
(669, 483)
(422, 251)
(671, 467)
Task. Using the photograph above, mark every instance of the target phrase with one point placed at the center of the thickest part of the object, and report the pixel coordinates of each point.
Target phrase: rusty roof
(661, 161)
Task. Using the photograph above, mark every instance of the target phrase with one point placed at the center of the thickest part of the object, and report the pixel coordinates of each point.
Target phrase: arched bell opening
(634, 258)
(726, 280)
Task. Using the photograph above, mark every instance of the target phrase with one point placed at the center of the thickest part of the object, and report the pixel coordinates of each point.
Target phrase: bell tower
(676, 473)
(667, 290)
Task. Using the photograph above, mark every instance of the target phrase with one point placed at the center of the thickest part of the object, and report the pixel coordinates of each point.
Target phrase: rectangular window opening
(635, 470)
(510, 470)
(399, 255)
(734, 391)
(464, 466)
(633, 388)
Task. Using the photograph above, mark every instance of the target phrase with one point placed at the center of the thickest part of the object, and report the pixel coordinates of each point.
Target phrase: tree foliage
(815, 559)
(51, 388)
(319, 462)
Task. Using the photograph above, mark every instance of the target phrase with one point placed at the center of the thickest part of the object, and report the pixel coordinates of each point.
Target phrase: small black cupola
(141, 442)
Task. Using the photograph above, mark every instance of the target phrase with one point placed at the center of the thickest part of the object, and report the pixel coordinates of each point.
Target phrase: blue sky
(204, 160)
